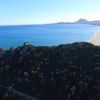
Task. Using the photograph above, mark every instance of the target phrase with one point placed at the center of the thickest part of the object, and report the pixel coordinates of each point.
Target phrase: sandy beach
(96, 39)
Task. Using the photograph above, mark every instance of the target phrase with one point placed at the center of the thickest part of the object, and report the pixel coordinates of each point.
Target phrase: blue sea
(45, 35)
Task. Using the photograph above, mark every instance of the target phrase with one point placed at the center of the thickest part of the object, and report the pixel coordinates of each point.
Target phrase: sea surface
(45, 35)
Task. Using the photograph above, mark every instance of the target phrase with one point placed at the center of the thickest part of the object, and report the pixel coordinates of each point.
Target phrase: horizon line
(45, 23)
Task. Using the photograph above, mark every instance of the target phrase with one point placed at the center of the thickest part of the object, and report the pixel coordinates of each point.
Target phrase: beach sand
(96, 39)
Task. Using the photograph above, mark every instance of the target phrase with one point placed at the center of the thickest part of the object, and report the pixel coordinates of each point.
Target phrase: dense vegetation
(64, 72)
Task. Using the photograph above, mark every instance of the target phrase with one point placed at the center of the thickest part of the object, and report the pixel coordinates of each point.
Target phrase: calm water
(50, 34)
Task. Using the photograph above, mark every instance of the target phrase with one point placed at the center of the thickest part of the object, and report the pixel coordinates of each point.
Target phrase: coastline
(96, 39)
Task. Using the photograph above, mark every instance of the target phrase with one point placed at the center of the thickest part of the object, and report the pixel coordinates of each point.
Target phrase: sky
(14, 12)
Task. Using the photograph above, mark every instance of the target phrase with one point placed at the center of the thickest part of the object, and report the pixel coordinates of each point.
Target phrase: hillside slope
(64, 72)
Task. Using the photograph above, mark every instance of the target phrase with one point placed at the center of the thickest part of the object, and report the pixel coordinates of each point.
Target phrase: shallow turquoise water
(45, 35)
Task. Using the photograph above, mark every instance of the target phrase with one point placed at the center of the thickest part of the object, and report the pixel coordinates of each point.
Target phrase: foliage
(64, 72)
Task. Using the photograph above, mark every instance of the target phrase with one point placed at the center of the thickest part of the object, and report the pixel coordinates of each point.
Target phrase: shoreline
(95, 39)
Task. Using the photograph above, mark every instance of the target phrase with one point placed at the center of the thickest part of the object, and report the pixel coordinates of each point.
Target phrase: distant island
(82, 21)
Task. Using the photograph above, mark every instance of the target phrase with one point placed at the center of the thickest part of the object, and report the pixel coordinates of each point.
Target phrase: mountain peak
(83, 21)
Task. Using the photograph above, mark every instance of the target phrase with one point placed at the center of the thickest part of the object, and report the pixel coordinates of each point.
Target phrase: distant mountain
(63, 23)
(82, 21)
(97, 22)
